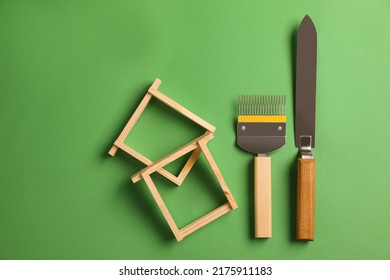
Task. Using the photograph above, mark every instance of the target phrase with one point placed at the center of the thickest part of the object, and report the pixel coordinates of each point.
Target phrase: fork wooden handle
(305, 198)
(263, 202)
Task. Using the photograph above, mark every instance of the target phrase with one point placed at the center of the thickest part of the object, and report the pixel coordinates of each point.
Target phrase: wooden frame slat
(147, 161)
(206, 219)
(180, 109)
(217, 173)
(171, 157)
(161, 204)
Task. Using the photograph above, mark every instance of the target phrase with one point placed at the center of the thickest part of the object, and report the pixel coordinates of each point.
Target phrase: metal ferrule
(305, 147)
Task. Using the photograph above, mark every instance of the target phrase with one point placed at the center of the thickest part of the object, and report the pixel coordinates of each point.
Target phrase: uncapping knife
(305, 109)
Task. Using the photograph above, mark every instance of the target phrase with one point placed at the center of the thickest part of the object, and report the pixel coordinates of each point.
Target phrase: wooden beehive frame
(196, 146)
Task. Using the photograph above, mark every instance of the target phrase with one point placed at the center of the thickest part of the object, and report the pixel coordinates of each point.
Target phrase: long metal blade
(305, 92)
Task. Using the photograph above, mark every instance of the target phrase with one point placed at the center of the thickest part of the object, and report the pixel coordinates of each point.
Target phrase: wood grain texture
(146, 161)
(189, 164)
(180, 109)
(218, 174)
(171, 157)
(306, 199)
(206, 219)
(161, 204)
(263, 197)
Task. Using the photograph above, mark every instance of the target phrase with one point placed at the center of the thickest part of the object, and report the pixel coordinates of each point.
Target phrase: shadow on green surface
(144, 204)
(140, 199)
(132, 106)
(293, 198)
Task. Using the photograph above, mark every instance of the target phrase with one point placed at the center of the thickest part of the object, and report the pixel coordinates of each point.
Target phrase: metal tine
(248, 108)
(250, 104)
(253, 105)
(256, 104)
(245, 105)
(239, 105)
(242, 105)
(268, 104)
(276, 105)
(264, 106)
(273, 105)
(261, 105)
(281, 104)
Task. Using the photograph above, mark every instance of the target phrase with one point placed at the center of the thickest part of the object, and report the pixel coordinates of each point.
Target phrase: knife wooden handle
(305, 198)
(263, 201)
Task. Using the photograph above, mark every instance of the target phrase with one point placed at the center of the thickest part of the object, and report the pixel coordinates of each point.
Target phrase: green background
(72, 73)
